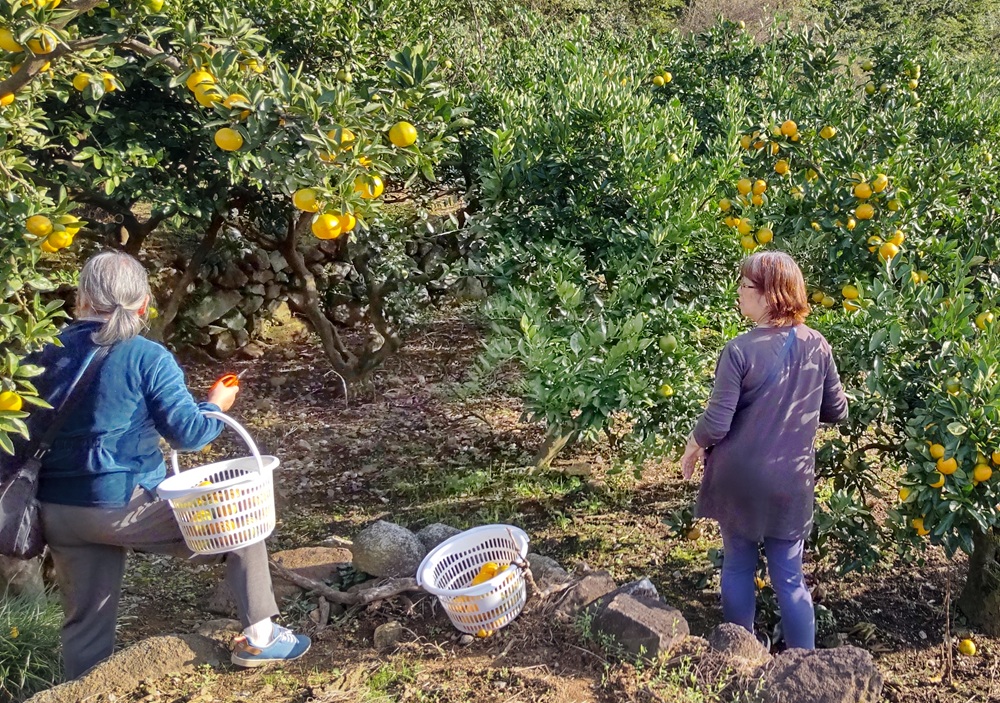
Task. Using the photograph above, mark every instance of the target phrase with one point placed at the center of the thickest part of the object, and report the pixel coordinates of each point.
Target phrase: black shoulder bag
(20, 524)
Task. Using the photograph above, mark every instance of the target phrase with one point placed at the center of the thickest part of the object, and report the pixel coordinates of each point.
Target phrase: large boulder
(739, 646)
(387, 550)
(436, 533)
(148, 660)
(639, 625)
(842, 675)
(212, 307)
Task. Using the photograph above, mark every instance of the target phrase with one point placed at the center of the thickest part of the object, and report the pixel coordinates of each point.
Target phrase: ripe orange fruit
(6, 99)
(39, 225)
(828, 301)
(995, 456)
(937, 451)
(947, 466)
(757, 200)
(71, 223)
(880, 183)
(207, 95)
(851, 223)
(818, 296)
(658, 81)
(862, 191)
(81, 81)
(828, 132)
(864, 212)
(850, 292)
(234, 98)
(898, 238)
(967, 647)
(44, 42)
(305, 199)
(403, 134)
(918, 525)
(981, 473)
(744, 185)
(724, 204)
(984, 319)
(667, 76)
(744, 226)
(746, 141)
(938, 482)
(748, 242)
(851, 306)
(887, 251)
(370, 188)
(789, 128)
(228, 139)
(199, 78)
(59, 240)
(8, 43)
(326, 226)
(759, 187)
(893, 205)
(347, 222)
(904, 493)
(775, 148)
(9, 400)
(765, 235)
(48, 248)
(781, 168)
(874, 242)
(811, 175)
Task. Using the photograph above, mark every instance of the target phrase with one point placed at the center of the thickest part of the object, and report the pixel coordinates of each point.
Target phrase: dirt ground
(413, 448)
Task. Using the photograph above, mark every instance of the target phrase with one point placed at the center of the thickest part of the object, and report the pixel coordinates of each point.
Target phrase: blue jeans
(784, 564)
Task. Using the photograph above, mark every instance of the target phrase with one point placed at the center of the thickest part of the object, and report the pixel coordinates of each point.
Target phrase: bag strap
(76, 390)
(772, 374)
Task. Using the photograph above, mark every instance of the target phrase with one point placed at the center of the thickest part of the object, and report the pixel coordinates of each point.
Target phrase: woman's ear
(144, 307)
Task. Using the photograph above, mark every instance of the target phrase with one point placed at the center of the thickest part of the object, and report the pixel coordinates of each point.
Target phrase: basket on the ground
(226, 505)
(449, 569)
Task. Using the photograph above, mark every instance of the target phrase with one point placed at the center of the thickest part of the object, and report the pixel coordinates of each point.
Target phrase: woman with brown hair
(774, 385)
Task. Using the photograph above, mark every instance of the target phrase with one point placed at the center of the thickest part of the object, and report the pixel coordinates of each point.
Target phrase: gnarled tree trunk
(980, 599)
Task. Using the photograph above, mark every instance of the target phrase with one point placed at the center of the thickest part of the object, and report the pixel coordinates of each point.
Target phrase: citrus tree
(622, 182)
(191, 111)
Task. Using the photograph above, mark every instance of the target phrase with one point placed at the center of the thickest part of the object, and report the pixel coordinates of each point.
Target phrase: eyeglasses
(748, 286)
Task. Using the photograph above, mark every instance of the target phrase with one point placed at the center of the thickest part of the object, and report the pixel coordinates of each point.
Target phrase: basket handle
(240, 430)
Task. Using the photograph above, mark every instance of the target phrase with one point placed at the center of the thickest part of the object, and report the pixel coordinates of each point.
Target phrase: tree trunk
(980, 599)
(553, 444)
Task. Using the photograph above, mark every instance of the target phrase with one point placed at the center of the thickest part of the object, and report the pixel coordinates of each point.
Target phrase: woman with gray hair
(96, 483)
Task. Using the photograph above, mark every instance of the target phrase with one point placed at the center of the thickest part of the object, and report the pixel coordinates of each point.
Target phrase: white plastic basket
(226, 505)
(450, 567)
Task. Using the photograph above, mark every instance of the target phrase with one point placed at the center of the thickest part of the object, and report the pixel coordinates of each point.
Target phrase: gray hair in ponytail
(115, 286)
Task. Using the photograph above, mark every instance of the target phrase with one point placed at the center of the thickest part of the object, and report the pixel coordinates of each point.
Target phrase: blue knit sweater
(110, 443)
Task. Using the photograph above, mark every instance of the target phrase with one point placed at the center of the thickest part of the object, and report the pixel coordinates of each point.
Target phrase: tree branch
(383, 591)
(152, 52)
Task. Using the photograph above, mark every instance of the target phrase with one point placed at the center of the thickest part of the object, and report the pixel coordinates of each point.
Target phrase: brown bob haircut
(779, 279)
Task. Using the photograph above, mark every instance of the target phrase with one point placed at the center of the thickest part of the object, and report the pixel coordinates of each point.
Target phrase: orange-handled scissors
(230, 379)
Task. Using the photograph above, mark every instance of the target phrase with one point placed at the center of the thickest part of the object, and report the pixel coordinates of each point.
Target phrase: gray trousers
(88, 548)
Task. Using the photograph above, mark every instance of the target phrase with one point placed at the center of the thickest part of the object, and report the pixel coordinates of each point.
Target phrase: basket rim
(179, 486)
(440, 551)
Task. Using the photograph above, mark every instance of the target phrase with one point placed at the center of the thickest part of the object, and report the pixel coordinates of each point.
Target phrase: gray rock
(738, 644)
(232, 277)
(224, 345)
(150, 659)
(234, 320)
(262, 276)
(643, 587)
(386, 549)
(252, 351)
(435, 534)
(388, 635)
(591, 587)
(253, 303)
(242, 338)
(21, 577)
(278, 262)
(641, 626)
(212, 307)
(843, 675)
(546, 571)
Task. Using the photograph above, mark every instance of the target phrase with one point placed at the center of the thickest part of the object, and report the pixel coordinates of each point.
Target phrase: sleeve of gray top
(718, 416)
(834, 406)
